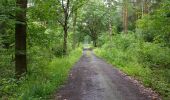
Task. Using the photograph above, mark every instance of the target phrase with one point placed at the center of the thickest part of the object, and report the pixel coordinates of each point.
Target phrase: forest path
(94, 79)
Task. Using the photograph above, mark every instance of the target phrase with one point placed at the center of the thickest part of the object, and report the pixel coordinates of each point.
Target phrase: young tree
(20, 38)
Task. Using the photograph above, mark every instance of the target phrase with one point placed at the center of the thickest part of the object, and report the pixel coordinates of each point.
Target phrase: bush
(148, 62)
(58, 50)
(153, 55)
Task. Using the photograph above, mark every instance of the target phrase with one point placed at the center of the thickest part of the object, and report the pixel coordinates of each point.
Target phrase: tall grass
(41, 84)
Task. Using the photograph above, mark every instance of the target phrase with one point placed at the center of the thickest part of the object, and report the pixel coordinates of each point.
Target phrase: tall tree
(66, 9)
(20, 38)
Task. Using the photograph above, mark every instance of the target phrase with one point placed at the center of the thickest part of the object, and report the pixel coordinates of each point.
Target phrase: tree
(20, 38)
(65, 10)
(93, 22)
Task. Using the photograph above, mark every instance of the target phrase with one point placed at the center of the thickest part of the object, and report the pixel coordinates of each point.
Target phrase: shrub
(148, 62)
(153, 55)
(58, 50)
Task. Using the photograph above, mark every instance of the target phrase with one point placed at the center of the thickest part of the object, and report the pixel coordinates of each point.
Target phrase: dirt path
(94, 79)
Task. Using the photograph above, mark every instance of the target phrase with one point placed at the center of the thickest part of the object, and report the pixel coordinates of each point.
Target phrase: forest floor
(93, 79)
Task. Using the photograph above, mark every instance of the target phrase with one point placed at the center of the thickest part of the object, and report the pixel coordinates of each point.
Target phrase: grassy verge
(41, 83)
(156, 78)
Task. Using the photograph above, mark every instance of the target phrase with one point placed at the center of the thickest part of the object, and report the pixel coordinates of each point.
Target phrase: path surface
(94, 79)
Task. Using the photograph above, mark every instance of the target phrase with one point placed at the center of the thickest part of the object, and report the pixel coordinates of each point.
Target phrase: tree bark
(110, 21)
(65, 40)
(125, 16)
(110, 31)
(20, 38)
(65, 26)
(94, 39)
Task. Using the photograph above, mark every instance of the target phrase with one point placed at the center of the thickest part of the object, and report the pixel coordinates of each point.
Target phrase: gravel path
(94, 79)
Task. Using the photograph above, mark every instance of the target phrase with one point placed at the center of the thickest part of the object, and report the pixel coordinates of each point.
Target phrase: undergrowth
(43, 79)
(147, 62)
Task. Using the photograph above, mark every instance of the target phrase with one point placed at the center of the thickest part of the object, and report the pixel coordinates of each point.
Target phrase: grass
(156, 78)
(42, 84)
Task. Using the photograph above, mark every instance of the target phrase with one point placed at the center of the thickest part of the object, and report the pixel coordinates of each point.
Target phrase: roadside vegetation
(35, 55)
(43, 79)
(147, 62)
(40, 40)
(143, 53)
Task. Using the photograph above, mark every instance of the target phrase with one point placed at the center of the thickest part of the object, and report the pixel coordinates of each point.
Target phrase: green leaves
(156, 27)
(146, 61)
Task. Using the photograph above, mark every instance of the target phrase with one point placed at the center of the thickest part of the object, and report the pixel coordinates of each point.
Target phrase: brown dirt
(94, 79)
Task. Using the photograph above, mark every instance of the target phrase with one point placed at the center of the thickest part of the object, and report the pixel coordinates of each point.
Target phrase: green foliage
(95, 20)
(44, 44)
(45, 76)
(58, 50)
(154, 55)
(156, 27)
(144, 54)
(148, 62)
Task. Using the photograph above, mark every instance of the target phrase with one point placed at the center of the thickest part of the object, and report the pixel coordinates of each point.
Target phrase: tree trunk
(125, 16)
(94, 39)
(65, 26)
(147, 7)
(94, 43)
(110, 31)
(20, 38)
(110, 20)
(65, 40)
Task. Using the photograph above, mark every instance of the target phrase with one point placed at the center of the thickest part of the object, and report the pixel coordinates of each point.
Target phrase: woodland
(41, 40)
